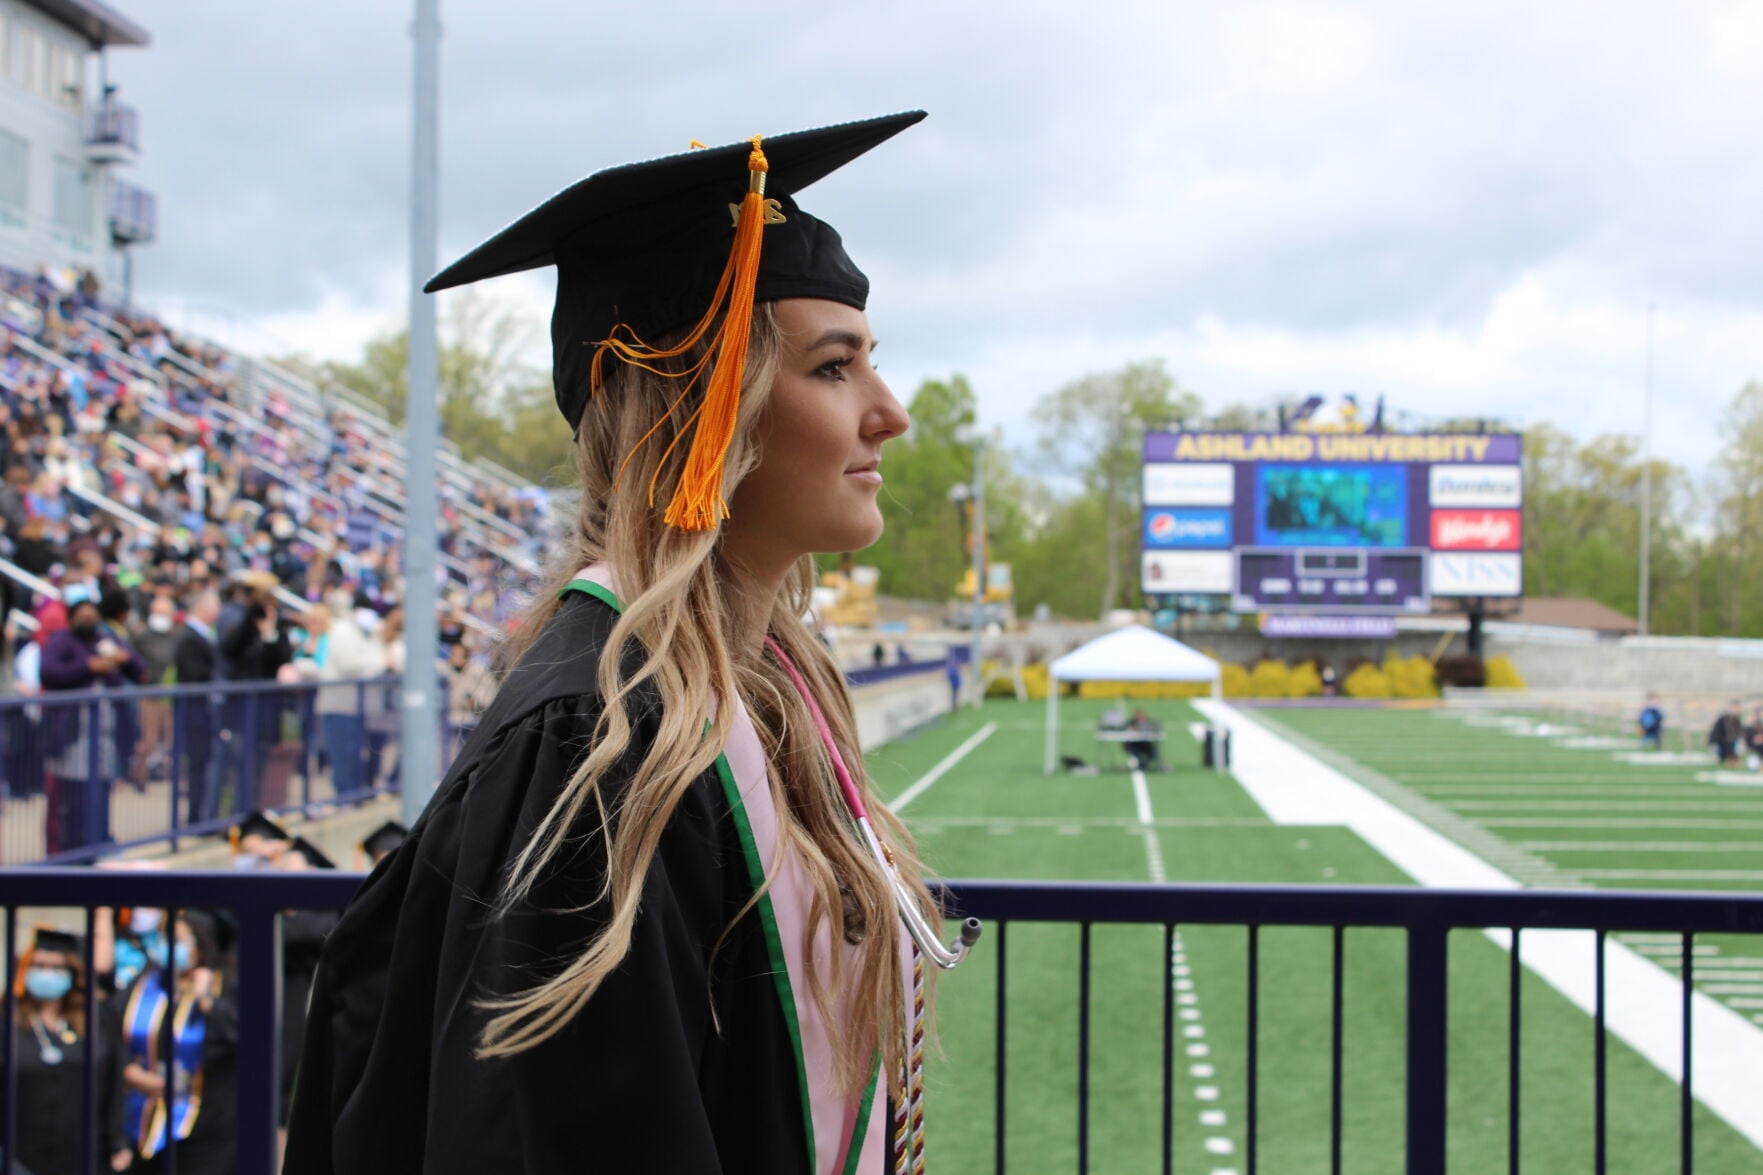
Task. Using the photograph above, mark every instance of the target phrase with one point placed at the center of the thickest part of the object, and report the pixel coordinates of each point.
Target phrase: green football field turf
(996, 815)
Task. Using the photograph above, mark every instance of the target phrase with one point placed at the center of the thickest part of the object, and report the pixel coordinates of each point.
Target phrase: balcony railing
(1426, 916)
(134, 214)
(114, 135)
(90, 773)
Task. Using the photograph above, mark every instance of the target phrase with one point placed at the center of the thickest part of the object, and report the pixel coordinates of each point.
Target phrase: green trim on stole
(854, 1154)
(774, 945)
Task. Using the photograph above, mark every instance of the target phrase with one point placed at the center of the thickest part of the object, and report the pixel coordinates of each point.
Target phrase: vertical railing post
(260, 1000)
(94, 749)
(89, 1128)
(998, 1082)
(308, 736)
(1426, 1048)
(9, 1034)
(1083, 1049)
(246, 800)
(175, 770)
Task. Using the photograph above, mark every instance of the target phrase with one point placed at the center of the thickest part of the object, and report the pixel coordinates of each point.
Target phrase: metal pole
(979, 563)
(1645, 607)
(417, 750)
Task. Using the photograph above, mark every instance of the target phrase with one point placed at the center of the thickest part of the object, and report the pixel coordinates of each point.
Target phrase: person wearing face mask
(140, 944)
(83, 761)
(156, 642)
(196, 995)
(51, 1032)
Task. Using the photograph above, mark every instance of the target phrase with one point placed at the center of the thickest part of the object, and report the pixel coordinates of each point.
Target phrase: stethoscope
(908, 1142)
(924, 937)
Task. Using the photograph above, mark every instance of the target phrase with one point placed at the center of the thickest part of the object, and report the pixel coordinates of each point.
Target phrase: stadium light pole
(420, 727)
(1647, 484)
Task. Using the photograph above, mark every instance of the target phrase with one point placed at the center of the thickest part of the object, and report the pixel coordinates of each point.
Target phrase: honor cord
(909, 1108)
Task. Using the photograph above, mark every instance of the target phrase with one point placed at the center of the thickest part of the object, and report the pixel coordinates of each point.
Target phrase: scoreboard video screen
(1333, 522)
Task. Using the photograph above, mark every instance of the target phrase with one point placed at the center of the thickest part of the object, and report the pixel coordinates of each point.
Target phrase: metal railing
(90, 773)
(1427, 917)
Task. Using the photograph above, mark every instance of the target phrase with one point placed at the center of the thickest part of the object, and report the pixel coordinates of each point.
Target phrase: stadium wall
(1689, 665)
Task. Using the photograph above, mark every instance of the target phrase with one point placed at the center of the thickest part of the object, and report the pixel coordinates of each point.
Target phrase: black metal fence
(88, 773)
(1426, 916)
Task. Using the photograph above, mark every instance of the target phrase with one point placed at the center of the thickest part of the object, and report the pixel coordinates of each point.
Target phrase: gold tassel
(697, 501)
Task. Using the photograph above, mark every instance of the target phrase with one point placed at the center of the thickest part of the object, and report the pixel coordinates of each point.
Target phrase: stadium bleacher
(181, 461)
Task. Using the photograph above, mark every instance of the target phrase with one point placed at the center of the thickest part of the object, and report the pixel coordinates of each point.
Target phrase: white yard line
(1128, 822)
(948, 761)
(1141, 794)
(1640, 846)
(1613, 822)
(1295, 787)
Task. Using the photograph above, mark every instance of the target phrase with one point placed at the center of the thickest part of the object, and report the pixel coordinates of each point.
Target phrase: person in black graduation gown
(204, 1008)
(566, 966)
(303, 936)
(52, 1037)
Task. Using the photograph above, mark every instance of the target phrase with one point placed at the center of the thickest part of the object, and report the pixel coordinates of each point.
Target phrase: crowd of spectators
(164, 529)
(155, 982)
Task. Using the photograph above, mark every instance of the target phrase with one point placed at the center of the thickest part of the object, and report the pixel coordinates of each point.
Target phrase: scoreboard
(1333, 522)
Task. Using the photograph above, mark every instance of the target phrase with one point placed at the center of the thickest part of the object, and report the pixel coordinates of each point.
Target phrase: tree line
(1064, 510)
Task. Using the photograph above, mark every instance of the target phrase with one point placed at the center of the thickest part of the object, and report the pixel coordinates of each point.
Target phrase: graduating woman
(646, 923)
(191, 1008)
(52, 1039)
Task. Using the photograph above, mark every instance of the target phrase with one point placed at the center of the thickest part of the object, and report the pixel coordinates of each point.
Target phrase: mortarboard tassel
(697, 501)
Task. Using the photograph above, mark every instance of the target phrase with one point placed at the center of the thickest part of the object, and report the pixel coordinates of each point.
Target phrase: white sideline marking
(1294, 787)
(1212, 1118)
(935, 773)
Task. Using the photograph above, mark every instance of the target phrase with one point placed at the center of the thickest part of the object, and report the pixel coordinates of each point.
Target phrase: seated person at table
(1143, 752)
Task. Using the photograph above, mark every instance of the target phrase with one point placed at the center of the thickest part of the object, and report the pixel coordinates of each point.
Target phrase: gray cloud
(1111, 174)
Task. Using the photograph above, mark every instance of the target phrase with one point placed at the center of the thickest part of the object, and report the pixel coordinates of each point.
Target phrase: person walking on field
(1652, 724)
(1727, 735)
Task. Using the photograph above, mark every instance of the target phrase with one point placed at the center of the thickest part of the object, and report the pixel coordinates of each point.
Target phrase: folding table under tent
(1134, 653)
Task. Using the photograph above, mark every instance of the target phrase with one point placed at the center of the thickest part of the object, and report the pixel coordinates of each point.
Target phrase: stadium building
(66, 140)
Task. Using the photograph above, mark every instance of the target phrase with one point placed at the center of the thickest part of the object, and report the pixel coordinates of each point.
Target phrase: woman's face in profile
(820, 439)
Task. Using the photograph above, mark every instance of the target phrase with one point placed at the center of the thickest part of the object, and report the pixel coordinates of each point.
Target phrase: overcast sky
(1466, 208)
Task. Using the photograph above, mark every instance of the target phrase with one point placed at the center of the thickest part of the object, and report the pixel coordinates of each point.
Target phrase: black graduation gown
(211, 1147)
(51, 1098)
(641, 1079)
(303, 935)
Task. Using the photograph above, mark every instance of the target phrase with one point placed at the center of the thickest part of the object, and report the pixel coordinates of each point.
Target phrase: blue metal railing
(1427, 916)
(92, 772)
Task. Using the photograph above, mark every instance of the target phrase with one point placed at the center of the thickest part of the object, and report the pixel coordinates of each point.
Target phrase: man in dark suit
(195, 660)
(254, 649)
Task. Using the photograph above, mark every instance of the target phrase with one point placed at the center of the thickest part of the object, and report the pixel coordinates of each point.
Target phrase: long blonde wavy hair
(678, 621)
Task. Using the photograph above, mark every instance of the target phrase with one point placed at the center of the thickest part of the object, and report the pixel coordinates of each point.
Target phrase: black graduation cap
(643, 246)
(59, 941)
(384, 839)
(257, 824)
(314, 857)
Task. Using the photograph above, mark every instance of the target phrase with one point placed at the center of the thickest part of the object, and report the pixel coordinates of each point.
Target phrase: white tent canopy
(1134, 653)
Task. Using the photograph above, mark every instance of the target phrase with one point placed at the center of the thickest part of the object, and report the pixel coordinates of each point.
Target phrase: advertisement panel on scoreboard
(1333, 522)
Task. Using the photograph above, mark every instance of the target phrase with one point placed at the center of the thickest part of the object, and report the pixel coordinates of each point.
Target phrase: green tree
(923, 548)
(1093, 430)
(493, 403)
(1737, 486)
